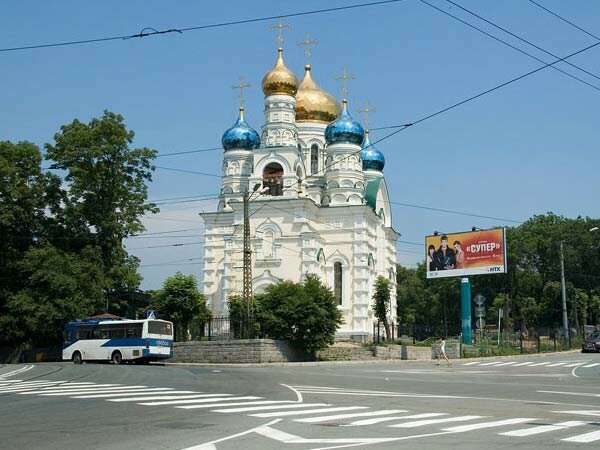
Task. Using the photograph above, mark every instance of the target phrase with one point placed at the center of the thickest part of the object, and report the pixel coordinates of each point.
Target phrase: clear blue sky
(527, 149)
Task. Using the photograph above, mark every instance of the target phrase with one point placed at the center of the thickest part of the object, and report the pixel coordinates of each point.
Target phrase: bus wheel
(77, 358)
(116, 357)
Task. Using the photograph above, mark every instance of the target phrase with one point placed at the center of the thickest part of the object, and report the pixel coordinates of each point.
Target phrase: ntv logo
(494, 269)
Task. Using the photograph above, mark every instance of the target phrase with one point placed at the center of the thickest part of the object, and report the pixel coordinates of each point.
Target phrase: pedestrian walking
(443, 352)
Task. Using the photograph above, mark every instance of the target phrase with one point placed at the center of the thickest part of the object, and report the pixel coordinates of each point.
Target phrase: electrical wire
(507, 44)
(520, 38)
(193, 172)
(146, 32)
(564, 19)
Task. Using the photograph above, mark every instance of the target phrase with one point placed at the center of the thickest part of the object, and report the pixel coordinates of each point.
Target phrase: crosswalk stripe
(221, 405)
(472, 363)
(574, 365)
(587, 366)
(52, 388)
(581, 394)
(92, 387)
(269, 407)
(543, 428)
(594, 413)
(491, 363)
(161, 397)
(388, 419)
(92, 391)
(420, 423)
(385, 412)
(540, 364)
(557, 364)
(27, 388)
(307, 411)
(222, 398)
(584, 438)
(479, 426)
(158, 391)
(509, 363)
(526, 363)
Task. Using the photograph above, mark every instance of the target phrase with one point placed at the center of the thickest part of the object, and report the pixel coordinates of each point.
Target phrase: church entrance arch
(273, 179)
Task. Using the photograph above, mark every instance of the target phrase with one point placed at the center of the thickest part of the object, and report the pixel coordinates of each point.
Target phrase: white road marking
(388, 419)
(158, 391)
(222, 398)
(493, 363)
(581, 394)
(16, 372)
(510, 363)
(479, 426)
(595, 413)
(54, 388)
(543, 428)
(574, 365)
(420, 423)
(211, 445)
(591, 365)
(540, 364)
(167, 396)
(584, 438)
(94, 391)
(526, 363)
(221, 405)
(472, 363)
(308, 411)
(385, 412)
(267, 408)
(296, 391)
(557, 364)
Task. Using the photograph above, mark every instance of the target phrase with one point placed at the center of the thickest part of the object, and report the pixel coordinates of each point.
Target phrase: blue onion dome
(345, 129)
(372, 159)
(240, 135)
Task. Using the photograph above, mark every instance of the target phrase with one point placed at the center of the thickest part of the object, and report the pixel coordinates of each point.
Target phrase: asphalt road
(537, 401)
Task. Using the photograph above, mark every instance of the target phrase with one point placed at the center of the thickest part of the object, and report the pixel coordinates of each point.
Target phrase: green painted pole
(465, 310)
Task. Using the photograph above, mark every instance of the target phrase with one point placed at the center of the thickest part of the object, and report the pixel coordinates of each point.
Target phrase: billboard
(467, 253)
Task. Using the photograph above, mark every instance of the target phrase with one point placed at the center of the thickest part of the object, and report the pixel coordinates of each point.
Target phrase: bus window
(134, 330)
(101, 332)
(157, 327)
(117, 331)
(84, 333)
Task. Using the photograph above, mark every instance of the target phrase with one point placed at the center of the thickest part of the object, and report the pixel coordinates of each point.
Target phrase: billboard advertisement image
(468, 253)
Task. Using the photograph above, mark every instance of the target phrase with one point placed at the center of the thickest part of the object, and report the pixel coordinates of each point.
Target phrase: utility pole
(247, 262)
(563, 289)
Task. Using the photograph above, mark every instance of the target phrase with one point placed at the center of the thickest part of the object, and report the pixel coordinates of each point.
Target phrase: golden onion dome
(280, 80)
(313, 104)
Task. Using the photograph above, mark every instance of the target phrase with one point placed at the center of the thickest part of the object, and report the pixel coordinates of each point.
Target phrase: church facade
(318, 205)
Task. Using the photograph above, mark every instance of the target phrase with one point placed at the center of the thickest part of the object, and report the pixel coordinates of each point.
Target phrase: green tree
(107, 191)
(180, 302)
(60, 287)
(381, 303)
(305, 314)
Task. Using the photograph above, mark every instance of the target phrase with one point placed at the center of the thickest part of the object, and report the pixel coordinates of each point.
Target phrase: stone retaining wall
(345, 353)
(235, 351)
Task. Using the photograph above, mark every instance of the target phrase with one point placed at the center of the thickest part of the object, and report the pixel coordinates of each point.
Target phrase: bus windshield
(159, 327)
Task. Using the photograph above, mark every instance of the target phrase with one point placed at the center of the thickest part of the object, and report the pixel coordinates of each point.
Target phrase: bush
(305, 314)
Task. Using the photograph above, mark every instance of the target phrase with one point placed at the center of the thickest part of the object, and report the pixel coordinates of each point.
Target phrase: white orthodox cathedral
(319, 202)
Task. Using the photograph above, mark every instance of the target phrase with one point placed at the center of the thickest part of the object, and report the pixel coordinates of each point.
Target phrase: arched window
(337, 282)
(314, 159)
(273, 179)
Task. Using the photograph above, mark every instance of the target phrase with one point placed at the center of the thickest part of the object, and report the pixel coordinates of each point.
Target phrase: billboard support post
(465, 309)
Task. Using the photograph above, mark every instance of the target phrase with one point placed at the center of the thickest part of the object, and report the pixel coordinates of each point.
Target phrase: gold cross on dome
(241, 87)
(344, 77)
(279, 27)
(368, 108)
(307, 43)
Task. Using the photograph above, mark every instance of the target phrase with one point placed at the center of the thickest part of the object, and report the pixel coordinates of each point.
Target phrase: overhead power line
(508, 44)
(187, 152)
(148, 32)
(193, 172)
(558, 16)
(522, 39)
(460, 213)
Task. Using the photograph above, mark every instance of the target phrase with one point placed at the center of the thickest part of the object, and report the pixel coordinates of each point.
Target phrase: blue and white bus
(117, 340)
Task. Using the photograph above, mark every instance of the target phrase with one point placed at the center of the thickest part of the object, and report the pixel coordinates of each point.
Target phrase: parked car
(591, 343)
